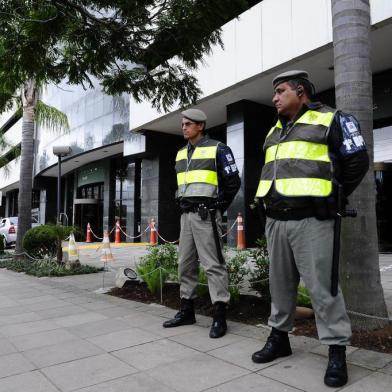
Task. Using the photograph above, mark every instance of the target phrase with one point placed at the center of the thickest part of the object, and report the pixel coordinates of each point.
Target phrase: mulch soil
(250, 309)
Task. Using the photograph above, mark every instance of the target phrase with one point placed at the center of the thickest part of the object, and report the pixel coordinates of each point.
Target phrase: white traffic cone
(73, 254)
(106, 252)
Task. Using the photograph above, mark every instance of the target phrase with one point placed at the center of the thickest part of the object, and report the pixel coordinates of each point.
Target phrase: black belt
(191, 208)
(290, 213)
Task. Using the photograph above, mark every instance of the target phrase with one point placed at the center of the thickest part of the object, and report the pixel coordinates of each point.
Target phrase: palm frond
(51, 118)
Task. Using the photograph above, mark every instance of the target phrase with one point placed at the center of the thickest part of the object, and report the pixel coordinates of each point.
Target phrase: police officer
(309, 151)
(208, 180)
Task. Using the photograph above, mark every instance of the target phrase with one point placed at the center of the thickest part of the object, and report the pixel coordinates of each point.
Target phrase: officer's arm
(349, 147)
(228, 176)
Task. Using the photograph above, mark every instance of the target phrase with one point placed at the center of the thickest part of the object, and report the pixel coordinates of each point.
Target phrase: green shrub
(303, 298)
(159, 263)
(46, 240)
(45, 267)
(237, 270)
(259, 275)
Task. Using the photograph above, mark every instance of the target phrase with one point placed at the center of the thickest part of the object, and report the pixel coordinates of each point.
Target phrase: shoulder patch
(351, 133)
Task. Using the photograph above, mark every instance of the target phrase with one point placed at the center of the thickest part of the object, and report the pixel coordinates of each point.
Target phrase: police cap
(195, 115)
(290, 75)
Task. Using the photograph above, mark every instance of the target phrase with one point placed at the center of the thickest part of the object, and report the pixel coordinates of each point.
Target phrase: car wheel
(2, 238)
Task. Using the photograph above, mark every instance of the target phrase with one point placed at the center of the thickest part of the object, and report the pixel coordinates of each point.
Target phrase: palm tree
(360, 274)
(33, 111)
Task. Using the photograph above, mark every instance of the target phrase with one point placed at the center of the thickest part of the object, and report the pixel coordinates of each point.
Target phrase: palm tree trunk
(360, 274)
(29, 100)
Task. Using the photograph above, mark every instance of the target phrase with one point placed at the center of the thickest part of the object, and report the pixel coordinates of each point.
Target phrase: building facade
(123, 152)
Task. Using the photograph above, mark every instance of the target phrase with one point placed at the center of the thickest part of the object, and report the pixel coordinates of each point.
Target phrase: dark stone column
(247, 125)
(159, 184)
(149, 193)
(108, 195)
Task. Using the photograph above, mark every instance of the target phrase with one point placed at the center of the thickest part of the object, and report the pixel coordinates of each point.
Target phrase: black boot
(336, 374)
(185, 316)
(219, 326)
(277, 345)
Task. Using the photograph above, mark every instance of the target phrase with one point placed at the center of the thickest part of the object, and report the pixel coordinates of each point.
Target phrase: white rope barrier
(168, 242)
(231, 228)
(131, 237)
(99, 238)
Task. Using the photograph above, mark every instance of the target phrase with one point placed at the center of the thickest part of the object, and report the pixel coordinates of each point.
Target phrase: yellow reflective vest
(198, 177)
(299, 164)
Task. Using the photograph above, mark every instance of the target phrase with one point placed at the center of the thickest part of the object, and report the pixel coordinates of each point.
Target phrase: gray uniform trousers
(304, 248)
(197, 243)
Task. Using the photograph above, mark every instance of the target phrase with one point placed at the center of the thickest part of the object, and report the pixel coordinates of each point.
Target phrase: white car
(8, 229)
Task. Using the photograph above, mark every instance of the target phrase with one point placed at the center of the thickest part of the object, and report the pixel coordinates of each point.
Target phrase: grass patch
(45, 267)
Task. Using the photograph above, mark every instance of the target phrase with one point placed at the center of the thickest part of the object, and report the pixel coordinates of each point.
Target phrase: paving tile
(14, 364)
(41, 339)
(253, 382)
(98, 305)
(167, 332)
(140, 319)
(322, 349)
(27, 328)
(100, 327)
(240, 353)
(387, 369)
(115, 311)
(6, 302)
(136, 382)
(62, 352)
(6, 347)
(60, 312)
(77, 319)
(370, 359)
(19, 318)
(150, 355)
(303, 343)
(38, 299)
(250, 331)
(306, 371)
(11, 310)
(54, 303)
(376, 382)
(202, 342)
(206, 372)
(123, 339)
(35, 380)
(86, 372)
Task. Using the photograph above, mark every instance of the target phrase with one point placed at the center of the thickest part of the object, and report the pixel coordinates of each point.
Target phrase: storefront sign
(91, 174)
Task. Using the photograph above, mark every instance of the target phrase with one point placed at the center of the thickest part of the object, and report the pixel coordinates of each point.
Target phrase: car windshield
(14, 220)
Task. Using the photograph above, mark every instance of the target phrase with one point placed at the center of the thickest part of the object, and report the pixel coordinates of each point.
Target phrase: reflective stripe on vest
(303, 153)
(199, 178)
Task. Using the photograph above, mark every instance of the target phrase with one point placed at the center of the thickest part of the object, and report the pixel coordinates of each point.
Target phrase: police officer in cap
(208, 180)
(311, 152)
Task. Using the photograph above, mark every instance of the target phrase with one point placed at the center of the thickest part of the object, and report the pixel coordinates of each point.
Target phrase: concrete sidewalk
(57, 334)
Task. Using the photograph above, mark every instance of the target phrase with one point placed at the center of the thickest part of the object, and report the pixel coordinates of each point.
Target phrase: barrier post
(88, 236)
(117, 237)
(240, 232)
(153, 233)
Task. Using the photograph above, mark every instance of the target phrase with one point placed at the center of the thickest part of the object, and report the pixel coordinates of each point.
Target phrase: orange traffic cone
(117, 237)
(240, 232)
(88, 236)
(106, 254)
(153, 233)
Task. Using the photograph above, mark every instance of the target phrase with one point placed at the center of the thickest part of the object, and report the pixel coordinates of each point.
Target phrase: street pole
(59, 189)
(60, 151)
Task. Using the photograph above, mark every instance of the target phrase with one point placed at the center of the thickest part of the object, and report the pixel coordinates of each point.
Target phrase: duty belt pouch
(324, 208)
(203, 211)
